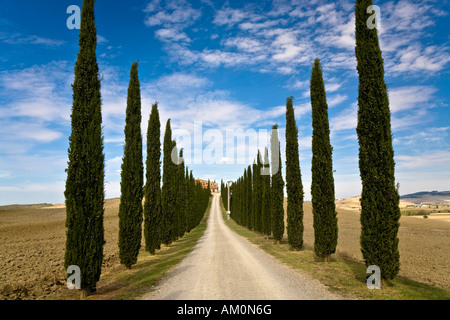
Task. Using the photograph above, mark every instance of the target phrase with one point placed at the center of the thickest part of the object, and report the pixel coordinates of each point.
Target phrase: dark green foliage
(277, 193)
(322, 185)
(191, 203)
(84, 191)
(181, 197)
(257, 194)
(152, 204)
(224, 194)
(255, 186)
(266, 212)
(249, 215)
(168, 199)
(131, 186)
(380, 211)
(244, 199)
(175, 188)
(294, 186)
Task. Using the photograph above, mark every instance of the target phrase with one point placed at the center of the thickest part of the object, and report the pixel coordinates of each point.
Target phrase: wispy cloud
(428, 160)
(18, 38)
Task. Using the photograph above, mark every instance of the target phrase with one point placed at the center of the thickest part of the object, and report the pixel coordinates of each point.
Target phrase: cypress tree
(294, 186)
(182, 205)
(258, 193)
(266, 211)
(191, 203)
(84, 190)
(175, 188)
(244, 198)
(167, 192)
(380, 211)
(322, 185)
(249, 198)
(152, 203)
(255, 187)
(277, 193)
(130, 208)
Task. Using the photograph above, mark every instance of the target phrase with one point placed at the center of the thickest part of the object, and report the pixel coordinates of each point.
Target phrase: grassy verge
(123, 284)
(342, 275)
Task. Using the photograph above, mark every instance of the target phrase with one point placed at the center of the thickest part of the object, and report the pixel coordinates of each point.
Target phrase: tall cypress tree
(191, 203)
(294, 186)
(258, 193)
(322, 185)
(175, 188)
(130, 208)
(244, 198)
(380, 211)
(266, 211)
(152, 203)
(182, 204)
(167, 192)
(277, 193)
(255, 187)
(84, 191)
(249, 198)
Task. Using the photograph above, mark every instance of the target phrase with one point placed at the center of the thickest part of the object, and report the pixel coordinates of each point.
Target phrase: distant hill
(12, 207)
(428, 196)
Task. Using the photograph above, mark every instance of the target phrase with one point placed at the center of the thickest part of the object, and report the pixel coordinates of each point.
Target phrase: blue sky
(218, 66)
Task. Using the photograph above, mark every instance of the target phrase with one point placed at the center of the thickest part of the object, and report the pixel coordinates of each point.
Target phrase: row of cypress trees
(257, 201)
(380, 212)
(167, 213)
(267, 191)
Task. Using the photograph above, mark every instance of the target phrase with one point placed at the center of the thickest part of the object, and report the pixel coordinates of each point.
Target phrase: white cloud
(332, 87)
(32, 40)
(336, 100)
(43, 91)
(171, 13)
(416, 58)
(424, 160)
(229, 16)
(172, 35)
(346, 119)
(424, 139)
(411, 97)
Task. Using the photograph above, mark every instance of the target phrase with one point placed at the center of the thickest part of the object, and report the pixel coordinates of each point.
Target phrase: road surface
(226, 266)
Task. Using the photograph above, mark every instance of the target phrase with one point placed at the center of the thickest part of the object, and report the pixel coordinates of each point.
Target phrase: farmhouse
(212, 185)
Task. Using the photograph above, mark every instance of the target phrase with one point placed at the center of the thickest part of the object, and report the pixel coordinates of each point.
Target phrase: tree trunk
(83, 293)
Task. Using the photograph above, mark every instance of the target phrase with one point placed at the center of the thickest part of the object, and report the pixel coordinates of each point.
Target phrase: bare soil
(32, 245)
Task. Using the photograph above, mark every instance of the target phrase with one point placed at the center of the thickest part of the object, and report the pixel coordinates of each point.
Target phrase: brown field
(32, 244)
(424, 244)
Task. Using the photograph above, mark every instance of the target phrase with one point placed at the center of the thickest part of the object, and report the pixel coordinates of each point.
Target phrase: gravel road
(226, 266)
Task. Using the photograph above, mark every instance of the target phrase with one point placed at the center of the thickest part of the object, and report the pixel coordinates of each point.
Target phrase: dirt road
(224, 265)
